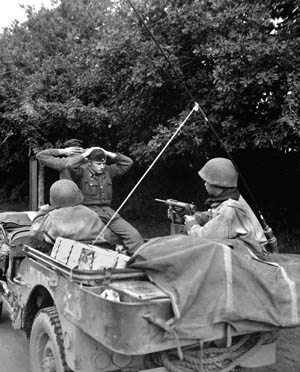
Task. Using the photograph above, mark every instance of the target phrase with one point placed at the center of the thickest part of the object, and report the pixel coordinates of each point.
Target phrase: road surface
(14, 347)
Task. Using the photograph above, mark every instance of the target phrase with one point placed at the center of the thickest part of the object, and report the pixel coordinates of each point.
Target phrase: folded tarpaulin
(17, 218)
(211, 283)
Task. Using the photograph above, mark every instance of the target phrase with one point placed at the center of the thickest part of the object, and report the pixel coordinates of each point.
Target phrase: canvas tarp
(17, 218)
(210, 282)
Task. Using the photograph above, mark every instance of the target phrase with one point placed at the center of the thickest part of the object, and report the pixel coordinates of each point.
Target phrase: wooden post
(41, 185)
(33, 184)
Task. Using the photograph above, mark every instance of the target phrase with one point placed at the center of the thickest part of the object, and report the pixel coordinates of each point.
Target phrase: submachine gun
(176, 212)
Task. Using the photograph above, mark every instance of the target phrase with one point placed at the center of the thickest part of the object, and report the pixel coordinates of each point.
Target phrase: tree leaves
(90, 69)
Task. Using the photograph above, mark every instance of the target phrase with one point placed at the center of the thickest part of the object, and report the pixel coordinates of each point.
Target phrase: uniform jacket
(228, 220)
(97, 188)
(77, 223)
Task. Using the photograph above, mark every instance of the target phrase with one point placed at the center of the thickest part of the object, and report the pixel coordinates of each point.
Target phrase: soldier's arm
(73, 163)
(37, 226)
(52, 158)
(121, 164)
(217, 228)
(57, 158)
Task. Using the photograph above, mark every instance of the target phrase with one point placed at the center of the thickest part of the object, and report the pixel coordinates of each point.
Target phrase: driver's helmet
(65, 193)
(219, 172)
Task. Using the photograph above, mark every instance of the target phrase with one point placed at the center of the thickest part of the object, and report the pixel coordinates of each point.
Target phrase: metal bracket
(18, 280)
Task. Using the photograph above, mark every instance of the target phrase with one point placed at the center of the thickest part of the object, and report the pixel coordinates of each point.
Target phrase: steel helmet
(219, 172)
(65, 193)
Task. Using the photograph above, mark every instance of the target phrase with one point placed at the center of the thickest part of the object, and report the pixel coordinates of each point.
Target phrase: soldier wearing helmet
(66, 216)
(229, 216)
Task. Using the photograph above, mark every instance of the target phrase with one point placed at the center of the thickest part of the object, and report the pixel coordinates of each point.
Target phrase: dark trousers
(131, 238)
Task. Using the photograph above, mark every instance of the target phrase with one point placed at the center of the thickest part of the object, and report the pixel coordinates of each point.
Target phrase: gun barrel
(161, 201)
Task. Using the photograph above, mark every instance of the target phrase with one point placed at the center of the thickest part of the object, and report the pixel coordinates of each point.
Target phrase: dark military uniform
(97, 192)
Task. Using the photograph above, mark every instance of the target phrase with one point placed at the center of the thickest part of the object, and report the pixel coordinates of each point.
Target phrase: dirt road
(288, 353)
(14, 348)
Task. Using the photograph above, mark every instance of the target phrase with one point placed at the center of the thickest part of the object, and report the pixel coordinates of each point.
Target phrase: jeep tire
(46, 343)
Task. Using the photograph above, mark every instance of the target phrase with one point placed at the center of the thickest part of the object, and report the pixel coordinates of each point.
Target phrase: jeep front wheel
(46, 343)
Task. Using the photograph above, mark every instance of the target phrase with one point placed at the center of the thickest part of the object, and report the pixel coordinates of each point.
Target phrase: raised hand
(72, 151)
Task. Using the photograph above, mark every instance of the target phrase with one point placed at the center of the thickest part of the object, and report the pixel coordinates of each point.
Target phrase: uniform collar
(228, 193)
(92, 173)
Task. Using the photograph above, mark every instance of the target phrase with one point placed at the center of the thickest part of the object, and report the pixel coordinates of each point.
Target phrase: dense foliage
(89, 69)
